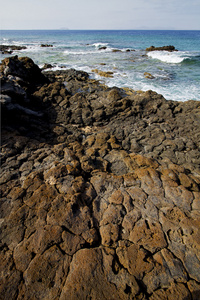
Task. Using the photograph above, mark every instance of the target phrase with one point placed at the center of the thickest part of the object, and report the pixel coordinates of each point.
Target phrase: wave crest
(97, 45)
(168, 57)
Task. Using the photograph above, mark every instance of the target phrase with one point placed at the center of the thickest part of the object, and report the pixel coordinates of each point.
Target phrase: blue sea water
(176, 75)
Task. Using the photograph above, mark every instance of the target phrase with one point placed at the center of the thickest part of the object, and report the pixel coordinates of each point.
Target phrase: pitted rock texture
(100, 193)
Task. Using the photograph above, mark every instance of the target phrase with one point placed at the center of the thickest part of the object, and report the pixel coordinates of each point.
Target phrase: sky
(100, 14)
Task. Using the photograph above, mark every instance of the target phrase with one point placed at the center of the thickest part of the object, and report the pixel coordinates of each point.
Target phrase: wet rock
(116, 50)
(8, 49)
(165, 48)
(46, 45)
(148, 75)
(103, 48)
(103, 73)
(47, 66)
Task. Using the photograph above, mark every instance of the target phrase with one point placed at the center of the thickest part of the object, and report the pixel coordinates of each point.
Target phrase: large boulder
(24, 68)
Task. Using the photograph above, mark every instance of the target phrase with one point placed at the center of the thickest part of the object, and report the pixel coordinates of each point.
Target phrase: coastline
(174, 75)
(100, 189)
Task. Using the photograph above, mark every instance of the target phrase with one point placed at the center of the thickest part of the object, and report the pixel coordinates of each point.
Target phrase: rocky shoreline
(8, 49)
(100, 189)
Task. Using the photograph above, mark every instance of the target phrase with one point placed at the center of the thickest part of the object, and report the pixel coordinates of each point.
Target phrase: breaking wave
(169, 57)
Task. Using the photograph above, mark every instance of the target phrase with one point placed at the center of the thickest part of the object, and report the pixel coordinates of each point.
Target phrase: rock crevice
(100, 190)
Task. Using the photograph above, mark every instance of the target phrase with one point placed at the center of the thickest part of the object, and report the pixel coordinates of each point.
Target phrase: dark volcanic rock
(116, 50)
(100, 190)
(166, 48)
(20, 77)
(46, 45)
(4, 49)
(103, 48)
(22, 67)
(47, 66)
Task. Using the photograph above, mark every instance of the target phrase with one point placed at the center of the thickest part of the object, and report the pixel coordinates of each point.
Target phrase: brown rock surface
(82, 215)
(165, 48)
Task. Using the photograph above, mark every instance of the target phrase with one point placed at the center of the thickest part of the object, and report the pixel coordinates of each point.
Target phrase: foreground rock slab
(100, 190)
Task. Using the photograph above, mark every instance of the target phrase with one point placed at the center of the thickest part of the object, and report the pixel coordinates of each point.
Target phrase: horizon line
(67, 29)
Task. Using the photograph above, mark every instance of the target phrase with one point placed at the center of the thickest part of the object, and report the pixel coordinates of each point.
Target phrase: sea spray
(174, 74)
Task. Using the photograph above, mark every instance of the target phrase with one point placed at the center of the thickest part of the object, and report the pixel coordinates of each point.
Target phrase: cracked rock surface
(100, 190)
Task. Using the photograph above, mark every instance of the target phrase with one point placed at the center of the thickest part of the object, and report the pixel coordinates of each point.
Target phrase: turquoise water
(176, 75)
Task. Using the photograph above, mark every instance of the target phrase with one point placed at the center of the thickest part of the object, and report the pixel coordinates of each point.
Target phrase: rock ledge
(100, 190)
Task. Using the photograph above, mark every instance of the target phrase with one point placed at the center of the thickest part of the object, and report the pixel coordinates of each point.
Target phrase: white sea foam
(86, 52)
(170, 90)
(98, 45)
(30, 49)
(17, 42)
(5, 41)
(168, 57)
(35, 48)
(172, 78)
(69, 52)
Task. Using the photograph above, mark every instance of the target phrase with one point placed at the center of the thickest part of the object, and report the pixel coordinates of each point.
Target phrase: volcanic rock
(22, 67)
(103, 73)
(148, 75)
(165, 48)
(103, 48)
(47, 66)
(46, 45)
(116, 50)
(100, 189)
(6, 49)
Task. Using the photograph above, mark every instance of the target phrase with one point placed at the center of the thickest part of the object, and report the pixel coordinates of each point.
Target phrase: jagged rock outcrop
(46, 45)
(100, 191)
(24, 68)
(166, 48)
(8, 49)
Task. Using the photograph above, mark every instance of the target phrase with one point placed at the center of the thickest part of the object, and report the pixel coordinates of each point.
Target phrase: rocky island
(100, 189)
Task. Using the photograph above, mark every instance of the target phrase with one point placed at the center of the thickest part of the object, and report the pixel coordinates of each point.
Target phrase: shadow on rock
(195, 296)
(86, 211)
(21, 110)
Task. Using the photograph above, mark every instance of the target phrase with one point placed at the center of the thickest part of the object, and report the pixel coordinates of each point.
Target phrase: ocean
(175, 75)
